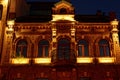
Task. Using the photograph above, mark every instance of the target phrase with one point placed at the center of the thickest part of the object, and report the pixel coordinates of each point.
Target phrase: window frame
(42, 48)
(104, 48)
(22, 44)
(82, 52)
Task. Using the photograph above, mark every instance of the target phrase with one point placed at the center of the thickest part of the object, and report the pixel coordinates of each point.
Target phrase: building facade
(58, 46)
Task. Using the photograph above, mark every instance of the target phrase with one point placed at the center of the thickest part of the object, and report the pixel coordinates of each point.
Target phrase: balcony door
(63, 49)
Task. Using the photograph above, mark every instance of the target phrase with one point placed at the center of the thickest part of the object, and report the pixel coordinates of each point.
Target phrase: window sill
(19, 60)
(106, 59)
(85, 59)
(42, 60)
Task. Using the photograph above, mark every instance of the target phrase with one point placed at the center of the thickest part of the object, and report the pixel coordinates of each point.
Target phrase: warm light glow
(4, 1)
(63, 17)
(73, 32)
(42, 60)
(106, 59)
(115, 22)
(10, 24)
(53, 32)
(20, 60)
(84, 59)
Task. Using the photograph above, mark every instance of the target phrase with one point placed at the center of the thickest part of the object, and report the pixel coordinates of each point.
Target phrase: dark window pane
(21, 49)
(104, 48)
(80, 51)
(1, 9)
(63, 49)
(43, 48)
(83, 49)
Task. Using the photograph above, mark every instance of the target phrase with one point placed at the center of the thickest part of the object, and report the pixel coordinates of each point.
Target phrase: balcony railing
(63, 57)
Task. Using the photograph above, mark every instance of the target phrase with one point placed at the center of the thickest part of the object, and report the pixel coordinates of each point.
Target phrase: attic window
(63, 11)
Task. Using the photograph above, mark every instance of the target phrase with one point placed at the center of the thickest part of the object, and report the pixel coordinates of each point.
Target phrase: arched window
(21, 48)
(104, 48)
(63, 49)
(43, 48)
(63, 11)
(83, 49)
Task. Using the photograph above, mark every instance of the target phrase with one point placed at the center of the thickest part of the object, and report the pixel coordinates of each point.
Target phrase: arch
(104, 49)
(15, 43)
(19, 38)
(97, 46)
(43, 48)
(83, 48)
(21, 48)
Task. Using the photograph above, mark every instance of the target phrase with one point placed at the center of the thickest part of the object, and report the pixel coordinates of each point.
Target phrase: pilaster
(115, 38)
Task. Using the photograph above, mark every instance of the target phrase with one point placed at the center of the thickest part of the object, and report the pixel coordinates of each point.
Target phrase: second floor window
(83, 48)
(21, 48)
(104, 48)
(63, 49)
(43, 48)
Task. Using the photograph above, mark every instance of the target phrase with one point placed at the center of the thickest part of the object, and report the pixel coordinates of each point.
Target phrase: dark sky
(91, 6)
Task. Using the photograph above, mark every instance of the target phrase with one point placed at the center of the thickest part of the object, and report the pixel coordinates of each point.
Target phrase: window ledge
(19, 60)
(106, 59)
(85, 59)
(42, 60)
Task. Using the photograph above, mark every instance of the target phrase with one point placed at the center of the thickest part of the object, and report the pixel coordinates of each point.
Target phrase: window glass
(104, 48)
(21, 49)
(83, 48)
(43, 47)
(63, 49)
(1, 9)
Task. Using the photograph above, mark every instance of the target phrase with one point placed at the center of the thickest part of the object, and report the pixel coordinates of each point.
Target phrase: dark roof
(92, 18)
(41, 5)
(47, 18)
(42, 18)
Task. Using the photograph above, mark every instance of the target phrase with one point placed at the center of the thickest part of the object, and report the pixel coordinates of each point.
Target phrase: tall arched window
(21, 48)
(83, 49)
(104, 48)
(43, 48)
(63, 49)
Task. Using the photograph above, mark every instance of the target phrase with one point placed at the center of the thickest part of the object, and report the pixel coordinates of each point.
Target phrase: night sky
(91, 6)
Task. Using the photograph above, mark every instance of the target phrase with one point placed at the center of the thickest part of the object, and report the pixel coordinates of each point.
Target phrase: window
(63, 11)
(63, 49)
(43, 48)
(85, 78)
(83, 48)
(104, 48)
(1, 9)
(21, 48)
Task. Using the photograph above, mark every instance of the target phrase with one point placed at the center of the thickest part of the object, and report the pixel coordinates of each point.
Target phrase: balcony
(63, 57)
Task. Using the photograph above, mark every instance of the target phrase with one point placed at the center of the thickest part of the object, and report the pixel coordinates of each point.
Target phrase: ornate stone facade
(60, 49)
